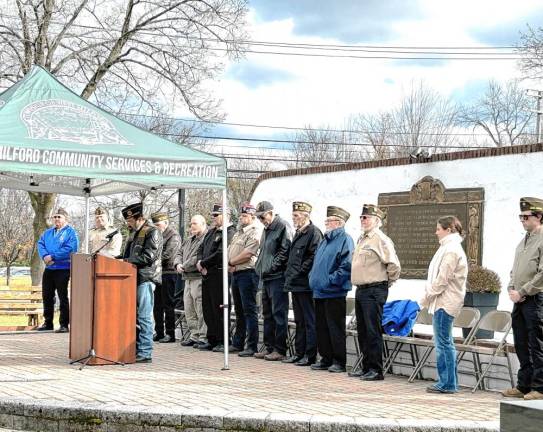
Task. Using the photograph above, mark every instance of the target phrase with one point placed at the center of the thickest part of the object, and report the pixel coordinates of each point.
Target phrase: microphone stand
(92, 352)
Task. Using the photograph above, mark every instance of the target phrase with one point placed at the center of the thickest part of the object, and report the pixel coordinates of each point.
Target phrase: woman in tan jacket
(444, 298)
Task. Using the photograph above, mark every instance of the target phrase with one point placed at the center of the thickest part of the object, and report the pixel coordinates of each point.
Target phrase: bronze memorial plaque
(411, 218)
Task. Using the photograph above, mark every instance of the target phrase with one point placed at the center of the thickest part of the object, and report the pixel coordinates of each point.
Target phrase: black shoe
(62, 329)
(205, 347)
(247, 353)
(434, 389)
(198, 344)
(189, 342)
(336, 368)
(218, 348)
(167, 339)
(140, 359)
(45, 327)
(371, 375)
(320, 366)
(293, 359)
(305, 361)
(157, 338)
(356, 374)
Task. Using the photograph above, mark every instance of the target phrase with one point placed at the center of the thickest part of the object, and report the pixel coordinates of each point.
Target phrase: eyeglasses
(365, 217)
(57, 217)
(327, 221)
(524, 217)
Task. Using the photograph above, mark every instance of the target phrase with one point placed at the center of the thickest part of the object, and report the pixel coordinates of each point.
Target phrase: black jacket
(144, 249)
(274, 247)
(300, 259)
(170, 248)
(210, 251)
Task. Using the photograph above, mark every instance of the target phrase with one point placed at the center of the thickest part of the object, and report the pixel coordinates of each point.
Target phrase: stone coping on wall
(440, 157)
(49, 416)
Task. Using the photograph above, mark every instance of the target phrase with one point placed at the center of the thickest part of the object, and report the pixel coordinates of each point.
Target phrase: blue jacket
(330, 276)
(399, 317)
(59, 245)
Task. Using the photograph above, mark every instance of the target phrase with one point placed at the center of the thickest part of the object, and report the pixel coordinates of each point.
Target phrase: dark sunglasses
(57, 217)
(364, 217)
(524, 217)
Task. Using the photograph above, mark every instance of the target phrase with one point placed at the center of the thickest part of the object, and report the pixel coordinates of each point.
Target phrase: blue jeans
(144, 319)
(275, 314)
(244, 288)
(445, 351)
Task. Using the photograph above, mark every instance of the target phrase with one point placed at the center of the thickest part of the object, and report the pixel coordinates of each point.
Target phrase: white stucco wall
(504, 178)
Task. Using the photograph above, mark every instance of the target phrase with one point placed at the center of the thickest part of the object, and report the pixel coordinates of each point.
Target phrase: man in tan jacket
(526, 292)
(185, 263)
(375, 267)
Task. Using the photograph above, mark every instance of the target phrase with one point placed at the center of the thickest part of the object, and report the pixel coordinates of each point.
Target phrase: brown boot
(513, 393)
(533, 395)
(274, 356)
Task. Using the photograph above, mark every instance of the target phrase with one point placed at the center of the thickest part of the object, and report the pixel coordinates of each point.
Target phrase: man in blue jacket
(55, 246)
(330, 281)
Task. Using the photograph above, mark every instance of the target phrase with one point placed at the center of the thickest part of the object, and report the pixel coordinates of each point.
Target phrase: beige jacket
(527, 272)
(374, 259)
(447, 274)
(247, 237)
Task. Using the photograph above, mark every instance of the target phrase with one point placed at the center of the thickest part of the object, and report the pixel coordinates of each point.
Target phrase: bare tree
(324, 145)
(15, 233)
(531, 49)
(127, 55)
(503, 113)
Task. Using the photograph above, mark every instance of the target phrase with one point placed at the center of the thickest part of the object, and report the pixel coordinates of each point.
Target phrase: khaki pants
(194, 315)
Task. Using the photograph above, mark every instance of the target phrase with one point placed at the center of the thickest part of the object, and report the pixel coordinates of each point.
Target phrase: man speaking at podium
(143, 249)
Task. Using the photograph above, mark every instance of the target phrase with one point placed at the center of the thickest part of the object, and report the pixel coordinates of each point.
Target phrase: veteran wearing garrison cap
(143, 249)
(242, 254)
(375, 267)
(526, 292)
(55, 247)
(300, 260)
(164, 297)
(98, 239)
(330, 281)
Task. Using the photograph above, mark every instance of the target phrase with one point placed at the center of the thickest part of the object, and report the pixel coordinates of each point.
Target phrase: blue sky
(297, 91)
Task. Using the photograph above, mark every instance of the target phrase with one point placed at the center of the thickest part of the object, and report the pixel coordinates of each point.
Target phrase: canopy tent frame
(40, 117)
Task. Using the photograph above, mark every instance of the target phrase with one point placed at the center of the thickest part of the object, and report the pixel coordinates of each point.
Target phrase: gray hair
(199, 219)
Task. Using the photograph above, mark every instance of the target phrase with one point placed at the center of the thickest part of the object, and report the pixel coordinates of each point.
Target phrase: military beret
(301, 206)
(159, 217)
(247, 208)
(61, 211)
(263, 207)
(531, 204)
(100, 211)
(133, 210)
(372, 210)
(337, 212)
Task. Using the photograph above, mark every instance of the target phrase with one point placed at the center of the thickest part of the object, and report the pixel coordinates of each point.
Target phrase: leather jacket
(274, 248)
(144, 250)
(170, 248)
(210, 250)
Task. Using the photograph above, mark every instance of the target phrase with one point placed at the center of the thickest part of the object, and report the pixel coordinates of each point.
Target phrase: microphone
(112, 234)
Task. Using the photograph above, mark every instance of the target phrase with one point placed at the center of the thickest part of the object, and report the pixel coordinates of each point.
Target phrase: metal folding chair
(467, 318)
(498, 322)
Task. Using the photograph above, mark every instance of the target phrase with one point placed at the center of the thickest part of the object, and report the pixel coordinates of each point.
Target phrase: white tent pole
(87, 203)
(225, 287)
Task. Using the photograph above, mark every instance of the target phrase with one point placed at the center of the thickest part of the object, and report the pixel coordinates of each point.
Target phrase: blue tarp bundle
(399, 317)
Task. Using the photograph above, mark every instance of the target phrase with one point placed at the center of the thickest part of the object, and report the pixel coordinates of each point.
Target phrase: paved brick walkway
(36, 367)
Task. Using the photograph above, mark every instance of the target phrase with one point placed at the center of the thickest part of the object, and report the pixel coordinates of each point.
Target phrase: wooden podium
(102, 310)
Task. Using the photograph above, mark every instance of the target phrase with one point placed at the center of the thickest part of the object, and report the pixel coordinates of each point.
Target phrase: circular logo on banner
(60, 120)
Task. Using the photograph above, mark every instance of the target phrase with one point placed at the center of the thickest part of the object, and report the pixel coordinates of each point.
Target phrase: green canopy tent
(51, 140)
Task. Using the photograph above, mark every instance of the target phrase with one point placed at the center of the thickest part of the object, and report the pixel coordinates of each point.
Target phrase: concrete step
(521, 416)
